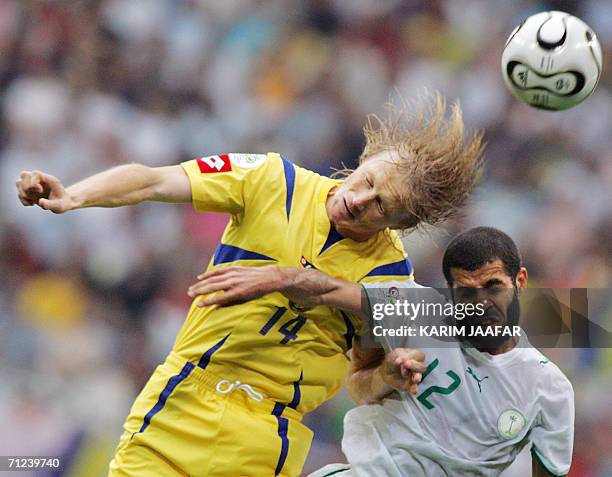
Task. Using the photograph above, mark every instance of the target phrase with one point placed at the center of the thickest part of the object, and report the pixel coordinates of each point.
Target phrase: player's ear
(521, 278)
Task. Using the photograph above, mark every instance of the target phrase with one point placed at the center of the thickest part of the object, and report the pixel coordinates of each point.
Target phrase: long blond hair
(440, 167)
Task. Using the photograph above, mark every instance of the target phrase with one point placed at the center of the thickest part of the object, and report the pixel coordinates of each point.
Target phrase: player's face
(368, 201)
(495, 290)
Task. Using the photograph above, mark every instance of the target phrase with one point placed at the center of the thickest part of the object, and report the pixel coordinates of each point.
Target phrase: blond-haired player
(229, 398)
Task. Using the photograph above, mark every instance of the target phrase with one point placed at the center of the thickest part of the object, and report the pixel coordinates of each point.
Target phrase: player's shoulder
(255, 161)
(229, 164)
(270, 171)
(293, 173)
(548, 376)
(385, 249)
(258, 163)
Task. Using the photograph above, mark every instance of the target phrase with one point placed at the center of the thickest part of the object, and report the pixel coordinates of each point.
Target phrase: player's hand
(239, 284)
(402, 369)
(44, 190)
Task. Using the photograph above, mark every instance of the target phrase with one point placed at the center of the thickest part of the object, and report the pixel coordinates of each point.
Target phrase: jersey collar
(326, 234)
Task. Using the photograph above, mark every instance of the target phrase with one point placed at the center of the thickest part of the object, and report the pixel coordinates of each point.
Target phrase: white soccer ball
(552, 61)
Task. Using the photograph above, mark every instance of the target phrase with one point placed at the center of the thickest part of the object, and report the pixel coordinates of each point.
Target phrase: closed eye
(381, 209)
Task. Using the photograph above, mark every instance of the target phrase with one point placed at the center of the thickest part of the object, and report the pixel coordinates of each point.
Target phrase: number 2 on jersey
(437, 389)
(288, 329)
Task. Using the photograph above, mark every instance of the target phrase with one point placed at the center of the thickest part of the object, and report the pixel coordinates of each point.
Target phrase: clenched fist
(44, 190)
(402, 369)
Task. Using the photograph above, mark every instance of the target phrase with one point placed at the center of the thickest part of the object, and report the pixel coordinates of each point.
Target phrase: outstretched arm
(123, 185)
(306, 287)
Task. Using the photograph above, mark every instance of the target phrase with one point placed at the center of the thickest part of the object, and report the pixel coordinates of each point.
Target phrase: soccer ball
(552, 61)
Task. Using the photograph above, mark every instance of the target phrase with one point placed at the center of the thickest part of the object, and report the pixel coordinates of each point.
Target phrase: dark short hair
(478, 246)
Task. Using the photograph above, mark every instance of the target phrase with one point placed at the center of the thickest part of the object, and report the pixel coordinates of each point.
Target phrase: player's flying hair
(441, 166)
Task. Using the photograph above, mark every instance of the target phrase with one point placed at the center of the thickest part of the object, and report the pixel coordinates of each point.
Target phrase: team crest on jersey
(248, 161)
(510, 423)
(391, 295)
(216, 163)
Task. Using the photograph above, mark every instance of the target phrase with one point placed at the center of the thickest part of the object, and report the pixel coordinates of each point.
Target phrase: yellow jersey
(278, 216)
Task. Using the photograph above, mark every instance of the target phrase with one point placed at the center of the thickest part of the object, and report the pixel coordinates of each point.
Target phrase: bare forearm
(311, 287)
(126, 185)
(123, 185)
(366, 386)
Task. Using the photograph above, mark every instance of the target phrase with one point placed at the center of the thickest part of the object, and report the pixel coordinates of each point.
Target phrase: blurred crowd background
(90, 301)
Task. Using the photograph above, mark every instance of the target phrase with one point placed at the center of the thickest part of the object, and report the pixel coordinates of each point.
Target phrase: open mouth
(347, 209)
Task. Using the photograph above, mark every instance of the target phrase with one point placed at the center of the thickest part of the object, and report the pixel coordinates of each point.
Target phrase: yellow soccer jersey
(278, 216)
